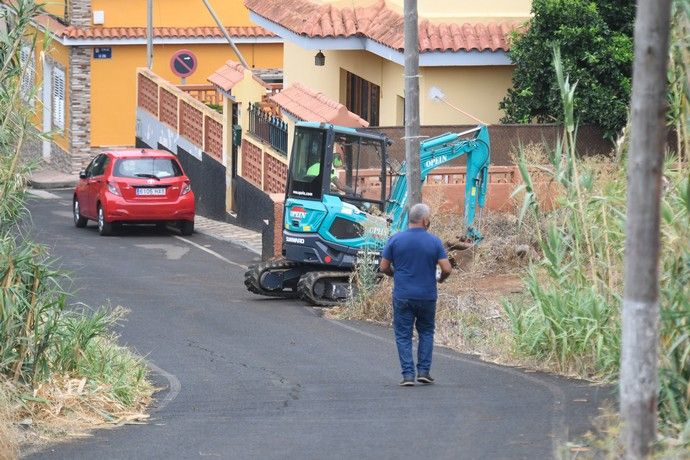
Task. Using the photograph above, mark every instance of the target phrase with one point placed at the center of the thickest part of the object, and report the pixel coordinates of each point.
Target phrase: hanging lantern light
(319, 59)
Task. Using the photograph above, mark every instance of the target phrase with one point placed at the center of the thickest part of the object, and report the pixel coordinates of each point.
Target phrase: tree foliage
(595, 39)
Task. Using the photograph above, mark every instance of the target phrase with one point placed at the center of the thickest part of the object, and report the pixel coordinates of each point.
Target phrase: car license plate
(150, 191)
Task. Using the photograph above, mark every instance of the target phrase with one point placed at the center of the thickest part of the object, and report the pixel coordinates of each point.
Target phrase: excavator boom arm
(438, 151)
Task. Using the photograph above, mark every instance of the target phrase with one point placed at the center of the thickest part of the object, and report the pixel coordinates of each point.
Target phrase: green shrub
(596, 41)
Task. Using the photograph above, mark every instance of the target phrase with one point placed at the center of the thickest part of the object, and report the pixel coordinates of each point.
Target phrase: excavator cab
(336, 186)
(330, 160)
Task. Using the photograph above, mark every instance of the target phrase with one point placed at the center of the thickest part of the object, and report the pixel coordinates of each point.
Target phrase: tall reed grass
(41, 336)
(571, 314)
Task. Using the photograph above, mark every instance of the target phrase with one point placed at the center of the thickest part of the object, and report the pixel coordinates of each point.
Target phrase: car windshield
(147, 167)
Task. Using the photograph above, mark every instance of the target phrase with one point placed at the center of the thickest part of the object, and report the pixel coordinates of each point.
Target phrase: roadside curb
(229, 233)
(42, 180)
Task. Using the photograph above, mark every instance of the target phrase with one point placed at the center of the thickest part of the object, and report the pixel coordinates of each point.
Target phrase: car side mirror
(82, 174)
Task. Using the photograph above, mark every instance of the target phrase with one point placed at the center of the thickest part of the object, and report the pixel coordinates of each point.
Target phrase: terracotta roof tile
(382, 24)
(97, 32)
(228, 76)
(310, 106)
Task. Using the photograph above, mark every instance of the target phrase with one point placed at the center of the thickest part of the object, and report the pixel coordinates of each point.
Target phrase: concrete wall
(506, 139)
(208, 183)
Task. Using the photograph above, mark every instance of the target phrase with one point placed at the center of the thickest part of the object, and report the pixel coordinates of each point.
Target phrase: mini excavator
(345, 197)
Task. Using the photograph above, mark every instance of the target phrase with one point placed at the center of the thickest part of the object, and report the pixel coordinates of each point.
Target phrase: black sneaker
(407, 382)
(425, 378)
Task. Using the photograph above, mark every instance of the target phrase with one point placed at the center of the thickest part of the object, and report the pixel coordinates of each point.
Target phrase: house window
(26, 58)
(58, 99)
(362, 98)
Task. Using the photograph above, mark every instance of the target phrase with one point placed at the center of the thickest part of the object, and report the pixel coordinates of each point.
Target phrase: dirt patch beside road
(470, 316)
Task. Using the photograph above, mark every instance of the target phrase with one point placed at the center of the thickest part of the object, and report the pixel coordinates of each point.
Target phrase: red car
(133, 187)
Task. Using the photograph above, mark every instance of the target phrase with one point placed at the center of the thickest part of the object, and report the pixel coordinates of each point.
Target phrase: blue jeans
(406, 314)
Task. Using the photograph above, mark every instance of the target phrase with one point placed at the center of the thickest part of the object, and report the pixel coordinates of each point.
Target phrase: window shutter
(58, 99)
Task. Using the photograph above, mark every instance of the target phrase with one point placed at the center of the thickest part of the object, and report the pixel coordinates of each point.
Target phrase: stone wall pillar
(79, 13)
(272, 234)
(80, 106)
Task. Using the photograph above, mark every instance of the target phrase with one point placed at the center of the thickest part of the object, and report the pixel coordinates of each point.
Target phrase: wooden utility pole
(414, 182)
(639, 381)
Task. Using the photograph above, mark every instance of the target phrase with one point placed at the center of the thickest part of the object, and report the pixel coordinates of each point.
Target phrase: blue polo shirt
(414, 254)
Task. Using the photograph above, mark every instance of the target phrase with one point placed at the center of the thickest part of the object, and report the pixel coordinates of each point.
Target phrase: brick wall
(79, 13)
(275, 174)
(80, 106)
(251, 163)
(147, 96)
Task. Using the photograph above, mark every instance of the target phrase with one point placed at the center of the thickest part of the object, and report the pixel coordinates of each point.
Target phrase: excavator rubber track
(311, 287)
(252, 278)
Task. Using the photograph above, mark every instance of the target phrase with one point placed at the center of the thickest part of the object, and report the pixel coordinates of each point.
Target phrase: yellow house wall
(245, 92)
(171, 13)
(328, 79)
(55, 8)
(58, 54)
(113, 82)
(476, 90)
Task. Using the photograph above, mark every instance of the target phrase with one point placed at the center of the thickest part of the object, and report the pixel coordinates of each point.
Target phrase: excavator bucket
(461, 253)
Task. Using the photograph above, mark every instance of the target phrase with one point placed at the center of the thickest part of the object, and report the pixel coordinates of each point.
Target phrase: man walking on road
(411, 257)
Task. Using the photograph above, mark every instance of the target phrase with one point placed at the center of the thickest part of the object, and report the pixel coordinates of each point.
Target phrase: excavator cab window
(357, 169)
(347, 164)
(306, 180)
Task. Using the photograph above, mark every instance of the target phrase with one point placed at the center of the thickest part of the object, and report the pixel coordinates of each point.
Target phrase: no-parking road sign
(183, 63)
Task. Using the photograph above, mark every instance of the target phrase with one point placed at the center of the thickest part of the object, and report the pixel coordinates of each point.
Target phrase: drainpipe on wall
(149, 34)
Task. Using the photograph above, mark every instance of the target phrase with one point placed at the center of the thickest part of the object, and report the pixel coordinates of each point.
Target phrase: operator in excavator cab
(337, 184)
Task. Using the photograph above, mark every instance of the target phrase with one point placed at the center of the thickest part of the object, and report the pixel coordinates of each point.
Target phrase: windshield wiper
(152, 176)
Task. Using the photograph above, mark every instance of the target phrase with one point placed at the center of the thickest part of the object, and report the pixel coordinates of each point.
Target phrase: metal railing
(268, 128)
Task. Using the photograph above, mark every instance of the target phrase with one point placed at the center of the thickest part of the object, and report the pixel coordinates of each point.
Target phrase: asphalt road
(248, 377)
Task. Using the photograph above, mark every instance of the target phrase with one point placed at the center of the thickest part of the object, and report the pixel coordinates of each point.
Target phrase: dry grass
(470, 317)
(64, 401)
(603, 442)
(534, 154)
(8, 436)
(68, 406)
